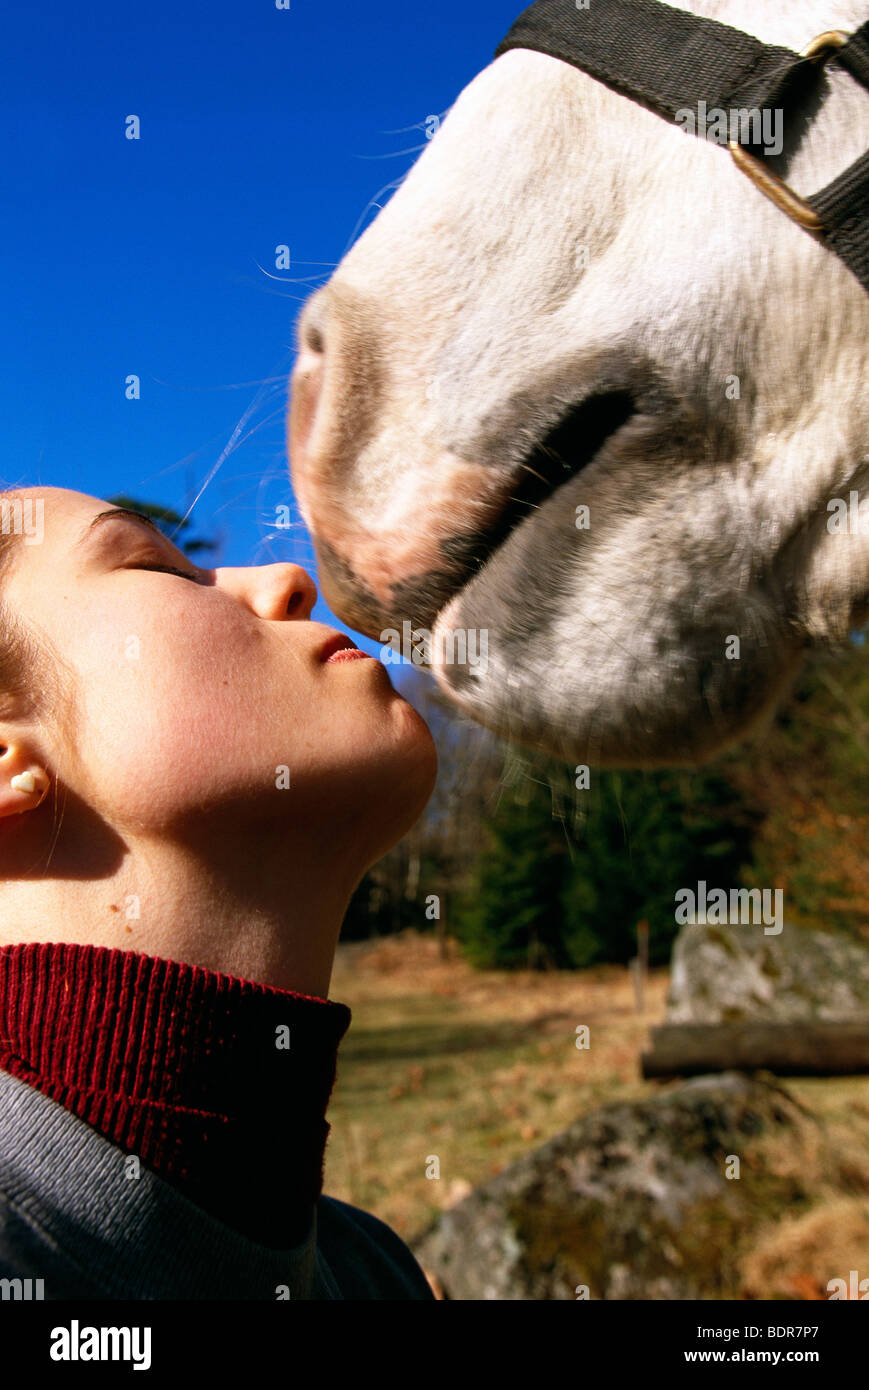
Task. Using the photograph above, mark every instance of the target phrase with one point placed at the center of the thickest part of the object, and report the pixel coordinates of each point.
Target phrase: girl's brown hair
(34, 680)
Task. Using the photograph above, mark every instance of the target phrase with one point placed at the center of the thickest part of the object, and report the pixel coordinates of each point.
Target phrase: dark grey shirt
(72, 1217)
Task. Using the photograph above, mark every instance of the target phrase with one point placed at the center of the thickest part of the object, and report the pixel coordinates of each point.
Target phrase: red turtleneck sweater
(218, 1084)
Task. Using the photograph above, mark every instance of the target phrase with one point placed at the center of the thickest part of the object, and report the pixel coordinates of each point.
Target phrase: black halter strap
(670, 61)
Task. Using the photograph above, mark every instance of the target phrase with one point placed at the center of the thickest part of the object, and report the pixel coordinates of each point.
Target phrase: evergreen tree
(647, 835)
(512, 917)
(543, 895)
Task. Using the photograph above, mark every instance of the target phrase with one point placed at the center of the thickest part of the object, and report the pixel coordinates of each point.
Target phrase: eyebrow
(119, 512)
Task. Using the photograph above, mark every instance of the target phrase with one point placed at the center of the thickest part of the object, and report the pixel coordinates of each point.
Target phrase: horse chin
(604, 686)
(610, 725)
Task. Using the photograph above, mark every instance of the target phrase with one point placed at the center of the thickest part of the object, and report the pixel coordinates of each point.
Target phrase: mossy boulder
(633, 1201)
(734, 973)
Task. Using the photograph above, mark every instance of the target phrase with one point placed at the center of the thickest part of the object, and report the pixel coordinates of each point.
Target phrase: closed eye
(166, 569)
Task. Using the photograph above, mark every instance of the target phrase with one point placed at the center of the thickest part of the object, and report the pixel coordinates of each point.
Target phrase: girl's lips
(348, 654)
(338, 641)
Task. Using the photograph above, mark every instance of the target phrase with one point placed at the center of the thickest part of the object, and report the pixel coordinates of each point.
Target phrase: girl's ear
(23, 782)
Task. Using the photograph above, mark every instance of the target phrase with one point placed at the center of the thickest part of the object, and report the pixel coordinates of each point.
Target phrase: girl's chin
(420, 731)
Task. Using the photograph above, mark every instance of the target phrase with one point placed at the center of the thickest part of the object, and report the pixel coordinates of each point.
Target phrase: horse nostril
(340, 360)
(311, 324)
(314, 339)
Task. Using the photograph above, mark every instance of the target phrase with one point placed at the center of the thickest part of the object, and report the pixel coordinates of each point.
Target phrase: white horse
(570, 305)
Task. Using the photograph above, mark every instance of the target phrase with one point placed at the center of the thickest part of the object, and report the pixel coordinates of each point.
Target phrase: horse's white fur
(463, 322)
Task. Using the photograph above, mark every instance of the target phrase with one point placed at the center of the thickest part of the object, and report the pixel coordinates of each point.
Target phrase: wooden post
(441, 934)
(639, 966)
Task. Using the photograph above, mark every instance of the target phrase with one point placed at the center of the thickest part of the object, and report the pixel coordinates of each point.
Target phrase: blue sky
(156, 257)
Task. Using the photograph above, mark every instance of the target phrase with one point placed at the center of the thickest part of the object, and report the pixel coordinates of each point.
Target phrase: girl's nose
(274, 592)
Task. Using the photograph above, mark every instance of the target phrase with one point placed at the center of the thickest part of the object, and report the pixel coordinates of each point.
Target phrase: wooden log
(788, 1049)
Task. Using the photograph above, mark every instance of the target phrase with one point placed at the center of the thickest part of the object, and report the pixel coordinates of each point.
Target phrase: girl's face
(204, 693)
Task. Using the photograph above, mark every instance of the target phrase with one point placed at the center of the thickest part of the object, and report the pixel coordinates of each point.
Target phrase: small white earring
(24, 782)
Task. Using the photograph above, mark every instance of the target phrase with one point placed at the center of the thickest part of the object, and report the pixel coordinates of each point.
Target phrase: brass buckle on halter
(820, 49)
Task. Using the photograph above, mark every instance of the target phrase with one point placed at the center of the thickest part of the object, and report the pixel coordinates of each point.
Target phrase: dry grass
(473, 1067)
(795, 1256)
(798, 1257)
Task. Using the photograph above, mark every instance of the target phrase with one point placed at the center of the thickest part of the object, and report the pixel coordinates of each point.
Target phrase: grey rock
(725, 974)
(631, 1201)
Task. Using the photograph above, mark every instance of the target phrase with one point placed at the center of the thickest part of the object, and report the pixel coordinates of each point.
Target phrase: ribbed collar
(218, 1084)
